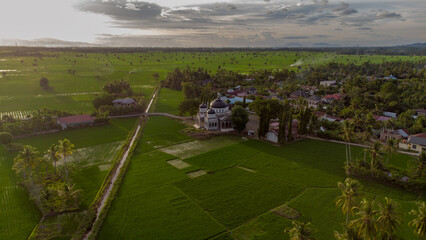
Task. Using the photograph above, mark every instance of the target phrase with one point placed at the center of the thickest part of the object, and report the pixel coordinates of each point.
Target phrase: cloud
(254, 22)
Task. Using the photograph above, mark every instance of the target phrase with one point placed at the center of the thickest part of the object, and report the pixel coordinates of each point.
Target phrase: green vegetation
(95, 147)
(169, 100)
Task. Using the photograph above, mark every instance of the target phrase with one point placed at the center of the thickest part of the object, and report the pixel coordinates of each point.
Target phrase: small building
(381, 118)
(415, 142)
(328, 83)
(272, 135)
(297, 94)
(399, 134)
(390, 114)
(332, 97)
(331, 118)
(421, 112)
(126, 102)
(76, 121)
(313, 101)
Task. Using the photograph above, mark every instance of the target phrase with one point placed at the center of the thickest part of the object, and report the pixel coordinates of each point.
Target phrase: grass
(169, 100)
(234, 196)
(94, 146)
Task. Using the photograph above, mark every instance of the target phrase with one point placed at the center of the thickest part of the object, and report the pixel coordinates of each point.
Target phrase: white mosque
(217, 117)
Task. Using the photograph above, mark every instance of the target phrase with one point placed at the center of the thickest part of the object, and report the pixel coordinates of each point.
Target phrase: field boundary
(98, 211)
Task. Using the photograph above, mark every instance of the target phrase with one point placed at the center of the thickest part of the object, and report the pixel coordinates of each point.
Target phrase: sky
(206, 23)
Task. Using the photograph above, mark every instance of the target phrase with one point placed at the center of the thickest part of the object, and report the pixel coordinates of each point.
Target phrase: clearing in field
(196, 174)
(179, 164)
(188, 149)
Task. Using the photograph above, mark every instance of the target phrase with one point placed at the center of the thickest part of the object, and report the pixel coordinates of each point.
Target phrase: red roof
(84, 118)
(335, 96)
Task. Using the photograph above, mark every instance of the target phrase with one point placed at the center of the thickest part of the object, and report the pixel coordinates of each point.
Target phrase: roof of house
(381, 118)
(390, 114)
(299, 93)
(335, 96)
(85, 118)
(418, 139)
(124, 101)
(314, 98)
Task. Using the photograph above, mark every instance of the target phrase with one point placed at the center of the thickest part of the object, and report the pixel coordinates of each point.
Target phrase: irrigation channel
(117, 172)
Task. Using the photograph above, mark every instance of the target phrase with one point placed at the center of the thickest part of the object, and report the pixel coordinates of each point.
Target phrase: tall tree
(348, 200)
(299, 231)
(66, 148)
(421, 166)
(290, 126)
(367, 224)
(26, 158)
(389, 217)
(374, 150)
(52, 155)
(347, 130)
(282, 125)
(239, 118)
(419, 222)
(366, 137)
(69, 196)
(390, 148)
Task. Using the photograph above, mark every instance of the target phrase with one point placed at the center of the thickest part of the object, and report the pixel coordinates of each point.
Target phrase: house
(331, 118)
(297, 94)
(391, 77)
(332, 97)
(328, 83)
(390, 114)
(231, 90)
(273, 93)
(421, 112)
(381, 118)
(313, 101)
(233, 100)
(252, 91)
(272, 134)
(399, 134)
(415, 142)
(75, 121)
(124, 102)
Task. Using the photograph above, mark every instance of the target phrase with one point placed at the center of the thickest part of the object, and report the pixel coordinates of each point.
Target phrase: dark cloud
(365, 28)
(296, 37)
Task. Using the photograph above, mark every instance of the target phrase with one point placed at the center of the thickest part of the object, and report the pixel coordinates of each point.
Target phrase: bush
(6, 138)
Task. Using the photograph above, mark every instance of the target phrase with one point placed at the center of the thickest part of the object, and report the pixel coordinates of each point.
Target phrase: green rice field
(244, 180)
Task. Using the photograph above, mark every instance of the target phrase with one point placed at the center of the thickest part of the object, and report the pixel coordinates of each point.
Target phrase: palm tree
(66, 148)
(367, 225)
(348, 199)
(366, 136)
(419, 222)
(347, 130)
(390, 148)
(349, 234)
(69, 196)
(299, 231)
(26, 158)
(389, 217)
(52, 154)
(374, 154)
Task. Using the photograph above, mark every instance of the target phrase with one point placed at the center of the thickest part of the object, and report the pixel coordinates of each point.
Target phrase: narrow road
(117, 172)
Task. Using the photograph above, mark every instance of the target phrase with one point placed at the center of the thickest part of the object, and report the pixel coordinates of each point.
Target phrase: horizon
(213, 24)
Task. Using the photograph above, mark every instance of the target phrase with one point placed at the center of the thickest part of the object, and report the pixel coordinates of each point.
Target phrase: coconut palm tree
(66, 148)
(349, 234)
(389, 217)
(69, 195)
(374, 155)
(419, 223)
(390, 148)
(348, 199)
(367, 225)
(52, 154)
(348, 132)
(299, 231)
(26, 158)
(366, 136)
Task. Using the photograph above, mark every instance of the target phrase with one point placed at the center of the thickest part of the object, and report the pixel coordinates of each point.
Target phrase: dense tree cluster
(118, 88)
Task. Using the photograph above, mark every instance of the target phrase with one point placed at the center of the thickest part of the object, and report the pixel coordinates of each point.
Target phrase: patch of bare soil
(196, 174)
(286, 212)
(179, 164)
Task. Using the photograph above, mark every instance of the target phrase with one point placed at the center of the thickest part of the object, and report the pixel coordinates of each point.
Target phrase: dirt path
(117, 172)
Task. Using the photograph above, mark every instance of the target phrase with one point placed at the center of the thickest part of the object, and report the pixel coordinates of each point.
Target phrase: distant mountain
(414, 45)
